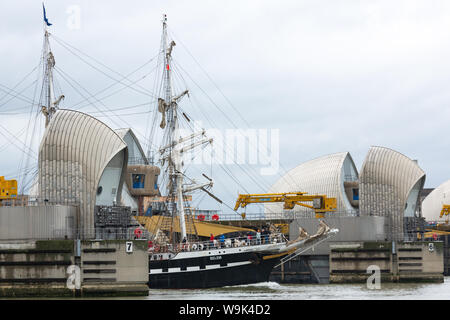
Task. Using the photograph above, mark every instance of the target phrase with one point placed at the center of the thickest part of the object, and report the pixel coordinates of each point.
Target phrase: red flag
(167, 67)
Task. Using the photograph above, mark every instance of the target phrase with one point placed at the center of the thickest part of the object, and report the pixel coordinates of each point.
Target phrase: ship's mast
(49, 63)
(174, 146)
(175, 185)
(49, 109)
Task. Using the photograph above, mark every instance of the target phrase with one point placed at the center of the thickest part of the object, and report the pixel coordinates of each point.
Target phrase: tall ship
(178, 258)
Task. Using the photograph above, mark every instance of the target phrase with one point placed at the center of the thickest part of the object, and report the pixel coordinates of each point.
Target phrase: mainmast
(168, 107)
(173, 148)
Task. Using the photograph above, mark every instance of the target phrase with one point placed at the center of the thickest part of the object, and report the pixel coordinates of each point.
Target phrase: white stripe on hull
(207, 267)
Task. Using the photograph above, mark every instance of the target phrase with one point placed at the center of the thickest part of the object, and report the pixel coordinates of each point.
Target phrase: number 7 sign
(129, 247)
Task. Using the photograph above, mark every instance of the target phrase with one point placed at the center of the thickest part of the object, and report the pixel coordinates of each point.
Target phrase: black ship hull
(216, 269)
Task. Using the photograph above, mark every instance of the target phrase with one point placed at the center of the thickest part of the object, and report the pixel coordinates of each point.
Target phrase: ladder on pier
(310, 245)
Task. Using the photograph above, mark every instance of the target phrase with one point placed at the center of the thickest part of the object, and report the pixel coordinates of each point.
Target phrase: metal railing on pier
(33, 201)
(286, 215)
(85, 234)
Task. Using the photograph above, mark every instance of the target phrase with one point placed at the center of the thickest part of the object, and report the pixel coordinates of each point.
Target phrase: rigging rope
(66, 46)
(68, 79)
(287, 172)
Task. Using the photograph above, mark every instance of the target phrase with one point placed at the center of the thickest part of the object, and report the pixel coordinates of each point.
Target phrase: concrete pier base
(355, 262)
(70, 268)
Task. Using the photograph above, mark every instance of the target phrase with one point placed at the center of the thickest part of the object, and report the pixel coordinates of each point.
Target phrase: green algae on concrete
(53, 245)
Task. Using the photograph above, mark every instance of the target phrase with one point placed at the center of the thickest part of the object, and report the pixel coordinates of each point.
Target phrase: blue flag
(45, 16)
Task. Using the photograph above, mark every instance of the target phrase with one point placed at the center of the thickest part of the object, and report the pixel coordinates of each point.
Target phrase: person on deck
(249, 239)
(184, 244)
(211, 241)
(222, 240)
(266, 235)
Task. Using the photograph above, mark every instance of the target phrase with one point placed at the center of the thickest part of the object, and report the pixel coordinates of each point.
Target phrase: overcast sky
(331, 75)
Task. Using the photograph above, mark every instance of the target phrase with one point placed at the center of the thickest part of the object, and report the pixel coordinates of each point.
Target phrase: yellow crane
(445, 210)
(434, 233)
(8, 189)
(320, 203)
(441, 229)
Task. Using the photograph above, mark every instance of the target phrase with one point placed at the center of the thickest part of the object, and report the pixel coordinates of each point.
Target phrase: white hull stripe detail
(207, 267)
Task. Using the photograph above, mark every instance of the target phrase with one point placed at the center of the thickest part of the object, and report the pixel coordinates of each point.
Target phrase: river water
(276, 291)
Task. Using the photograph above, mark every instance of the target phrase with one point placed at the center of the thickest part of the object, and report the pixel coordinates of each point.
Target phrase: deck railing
(243, 241)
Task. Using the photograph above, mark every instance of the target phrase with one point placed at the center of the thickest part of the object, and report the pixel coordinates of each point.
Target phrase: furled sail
(162, 107)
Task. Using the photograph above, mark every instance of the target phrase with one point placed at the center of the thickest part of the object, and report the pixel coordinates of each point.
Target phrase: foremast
(51, 104)
(174, 147)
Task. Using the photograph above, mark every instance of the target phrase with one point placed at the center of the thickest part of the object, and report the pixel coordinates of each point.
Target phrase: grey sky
(331, 75)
